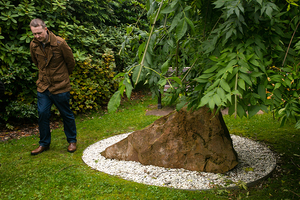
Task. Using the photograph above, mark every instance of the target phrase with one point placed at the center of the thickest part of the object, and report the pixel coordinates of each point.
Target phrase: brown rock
(197, 141)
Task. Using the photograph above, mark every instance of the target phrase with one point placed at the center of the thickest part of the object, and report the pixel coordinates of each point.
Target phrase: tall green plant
(230, 66)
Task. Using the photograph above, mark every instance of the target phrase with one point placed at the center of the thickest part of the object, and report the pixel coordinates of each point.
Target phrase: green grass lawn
(57, 174)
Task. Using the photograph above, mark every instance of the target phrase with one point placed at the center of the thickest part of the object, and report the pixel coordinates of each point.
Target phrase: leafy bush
(92, 83)
(84, 25)
(20, 111)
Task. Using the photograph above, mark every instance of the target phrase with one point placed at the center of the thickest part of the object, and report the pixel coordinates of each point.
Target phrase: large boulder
(197, 141)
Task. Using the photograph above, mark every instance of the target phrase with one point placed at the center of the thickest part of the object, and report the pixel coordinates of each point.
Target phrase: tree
(241, 54)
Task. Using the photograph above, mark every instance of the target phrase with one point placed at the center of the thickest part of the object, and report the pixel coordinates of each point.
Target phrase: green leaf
(254, 62)
(141, 50)
(118, 75)
(176, 79)
(213, 86)
(204, 100)
(297, 125)
(232, 63)
(277, 94)
(23, 37)
(243, 70)
(135, 74)
(114, 102)
(200, 80)
(128, 87)
(211, 69)
(165, 67)
(219, 3)
(249, 42)
(241, 84)
(211, 103)
(215, 58)
(205, 76)
(175, 21)
(288, 82)
(229, 33)
(171, 43)
(168, 9)
(277, 85)
(259, 52)
(262, 92)
(253, 110)
(259, 1)
(278, 48)
(256, 74)
(191, 24)
(14, 21)
(148, 59)
(224, 85)
(244, 66)
(228, 96)
(217, 99)
(187, 8)
(269, 11)
(221, 93)
(162, 82)
(129, 29)
(181, 29)
(240, 111)
(253, 100)
(237, 12)
(259, 42)
(245, 78)
(240, 6)
(173, 3)
(198, 87)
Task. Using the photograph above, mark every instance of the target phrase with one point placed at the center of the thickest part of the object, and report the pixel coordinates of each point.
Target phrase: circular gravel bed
(256, 162)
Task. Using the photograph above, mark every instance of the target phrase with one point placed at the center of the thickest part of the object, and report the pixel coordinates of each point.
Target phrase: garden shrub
(92, 83)
(84, 24)
(20, 111)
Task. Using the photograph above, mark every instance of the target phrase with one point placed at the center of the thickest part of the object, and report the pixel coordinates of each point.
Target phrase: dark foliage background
(94, 30)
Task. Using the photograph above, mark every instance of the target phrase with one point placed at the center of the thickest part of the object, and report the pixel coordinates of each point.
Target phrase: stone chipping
(256, 161)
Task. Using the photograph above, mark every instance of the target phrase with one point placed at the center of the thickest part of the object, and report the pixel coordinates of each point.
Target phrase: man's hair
(37, 22)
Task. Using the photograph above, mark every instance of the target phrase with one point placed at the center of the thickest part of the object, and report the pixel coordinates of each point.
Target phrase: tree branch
(290, 44)
(146, 48)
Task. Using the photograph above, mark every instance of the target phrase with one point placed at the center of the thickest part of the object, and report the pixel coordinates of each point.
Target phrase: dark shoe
(72, 147)
(39, 150)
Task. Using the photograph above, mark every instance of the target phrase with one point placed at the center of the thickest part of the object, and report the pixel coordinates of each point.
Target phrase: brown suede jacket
(55, 63)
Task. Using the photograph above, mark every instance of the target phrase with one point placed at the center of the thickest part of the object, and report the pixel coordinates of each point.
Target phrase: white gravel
(255, 162)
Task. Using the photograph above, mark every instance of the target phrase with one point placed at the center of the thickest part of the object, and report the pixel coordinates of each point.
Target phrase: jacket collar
(52, 40)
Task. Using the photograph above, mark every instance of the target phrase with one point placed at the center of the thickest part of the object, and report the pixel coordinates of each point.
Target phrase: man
(55, 61)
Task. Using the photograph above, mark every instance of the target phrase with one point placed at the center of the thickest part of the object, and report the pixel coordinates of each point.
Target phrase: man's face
(40, 33)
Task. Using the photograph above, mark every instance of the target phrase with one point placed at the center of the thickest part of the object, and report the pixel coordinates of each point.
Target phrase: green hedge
(89, 28)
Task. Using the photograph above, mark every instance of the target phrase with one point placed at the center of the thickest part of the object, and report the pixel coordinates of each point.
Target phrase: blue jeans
(61, 101)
